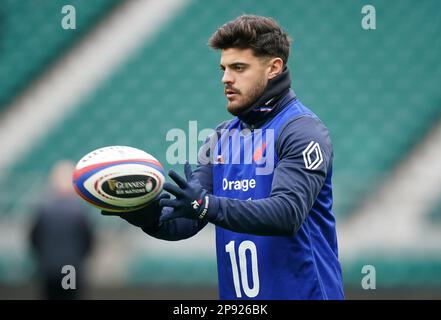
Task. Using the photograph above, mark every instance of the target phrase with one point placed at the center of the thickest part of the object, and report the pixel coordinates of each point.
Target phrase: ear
(276, 67)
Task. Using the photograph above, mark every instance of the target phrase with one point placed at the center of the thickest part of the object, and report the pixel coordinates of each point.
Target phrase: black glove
(144, 218)
(191, 199)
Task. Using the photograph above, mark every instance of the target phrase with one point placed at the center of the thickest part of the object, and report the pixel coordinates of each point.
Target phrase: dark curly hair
(261, 34)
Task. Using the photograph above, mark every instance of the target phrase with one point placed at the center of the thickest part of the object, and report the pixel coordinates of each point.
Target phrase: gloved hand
(143, 218)
(191, 199)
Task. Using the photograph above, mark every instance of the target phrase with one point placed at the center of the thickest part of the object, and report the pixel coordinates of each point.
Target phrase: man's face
(245, 78)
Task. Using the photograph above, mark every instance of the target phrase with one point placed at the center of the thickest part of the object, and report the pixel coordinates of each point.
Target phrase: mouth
(230, 93)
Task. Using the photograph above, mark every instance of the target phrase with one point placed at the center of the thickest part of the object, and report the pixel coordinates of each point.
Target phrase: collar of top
(270, 102)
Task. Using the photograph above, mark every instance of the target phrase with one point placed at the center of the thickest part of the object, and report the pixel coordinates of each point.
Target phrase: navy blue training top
(271, 201)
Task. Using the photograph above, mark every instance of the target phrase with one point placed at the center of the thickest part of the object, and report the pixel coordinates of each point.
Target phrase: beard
(244, 100)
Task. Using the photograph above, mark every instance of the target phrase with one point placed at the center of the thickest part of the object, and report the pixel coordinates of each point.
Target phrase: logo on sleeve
(312, 156)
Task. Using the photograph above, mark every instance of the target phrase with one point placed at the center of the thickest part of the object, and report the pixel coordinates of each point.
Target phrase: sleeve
(305, 155)
(183, 228)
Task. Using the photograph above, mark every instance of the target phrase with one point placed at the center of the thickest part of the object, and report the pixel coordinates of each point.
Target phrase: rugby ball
(118, 178)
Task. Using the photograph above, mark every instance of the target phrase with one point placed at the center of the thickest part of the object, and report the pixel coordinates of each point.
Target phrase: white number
(230, 249)
(243, 247)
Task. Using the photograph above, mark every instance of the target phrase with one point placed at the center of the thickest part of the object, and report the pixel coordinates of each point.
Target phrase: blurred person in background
(61, 235)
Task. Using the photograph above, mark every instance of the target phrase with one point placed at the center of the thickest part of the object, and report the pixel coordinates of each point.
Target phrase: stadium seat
(32, 37)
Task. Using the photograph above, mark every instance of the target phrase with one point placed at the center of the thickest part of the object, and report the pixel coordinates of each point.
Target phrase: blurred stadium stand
(377, 91)
(435, 212)
(31, 38)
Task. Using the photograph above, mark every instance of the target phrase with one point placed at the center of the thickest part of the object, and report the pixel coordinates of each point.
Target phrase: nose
(227, 77)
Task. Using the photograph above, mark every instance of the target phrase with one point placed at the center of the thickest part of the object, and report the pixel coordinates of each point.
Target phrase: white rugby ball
(118, 178)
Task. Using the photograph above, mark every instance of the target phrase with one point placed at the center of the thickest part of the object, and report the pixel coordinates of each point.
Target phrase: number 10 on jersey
(240, 272)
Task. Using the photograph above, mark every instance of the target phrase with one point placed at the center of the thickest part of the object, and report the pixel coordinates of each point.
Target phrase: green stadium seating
(157, 270)
(434, 213)
(31, 37)
(365, 85)
(395, 271)
(15, 267)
